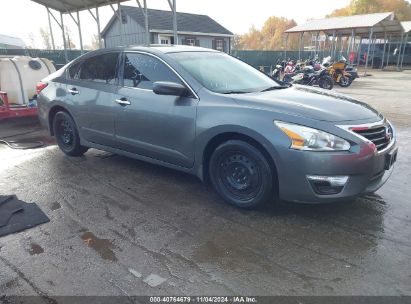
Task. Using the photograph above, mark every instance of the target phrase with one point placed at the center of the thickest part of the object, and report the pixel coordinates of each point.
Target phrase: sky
(24, 18)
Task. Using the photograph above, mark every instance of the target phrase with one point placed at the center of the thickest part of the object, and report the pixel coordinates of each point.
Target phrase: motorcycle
(279, 69)
(306, 75)
(338, 72)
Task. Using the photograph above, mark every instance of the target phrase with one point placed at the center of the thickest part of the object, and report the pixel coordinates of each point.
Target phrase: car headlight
(305, 138)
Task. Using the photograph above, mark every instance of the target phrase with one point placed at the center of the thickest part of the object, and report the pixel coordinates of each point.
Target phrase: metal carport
(369, 26)
(71, 7)
(406, 25)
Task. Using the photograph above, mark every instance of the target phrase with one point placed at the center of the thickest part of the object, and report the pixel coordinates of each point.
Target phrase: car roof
(158, 48)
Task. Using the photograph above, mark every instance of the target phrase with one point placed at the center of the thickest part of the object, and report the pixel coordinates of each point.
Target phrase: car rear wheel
(67, 136)
(241, 174)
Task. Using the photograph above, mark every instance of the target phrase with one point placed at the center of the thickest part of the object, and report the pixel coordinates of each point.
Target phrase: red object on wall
(8, 112)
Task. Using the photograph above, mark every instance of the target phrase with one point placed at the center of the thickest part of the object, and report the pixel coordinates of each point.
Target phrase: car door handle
(123, 102)
(73, 91)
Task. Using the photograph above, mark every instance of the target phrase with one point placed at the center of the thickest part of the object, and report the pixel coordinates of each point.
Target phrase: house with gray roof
(193, 29)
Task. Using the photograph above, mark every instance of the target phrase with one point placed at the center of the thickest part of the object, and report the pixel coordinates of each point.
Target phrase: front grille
(381, 136)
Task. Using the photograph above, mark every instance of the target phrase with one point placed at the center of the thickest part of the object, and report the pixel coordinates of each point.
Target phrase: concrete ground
(124, 227)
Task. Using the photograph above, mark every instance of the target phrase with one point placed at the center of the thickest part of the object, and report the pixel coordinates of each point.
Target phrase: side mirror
(168, 88)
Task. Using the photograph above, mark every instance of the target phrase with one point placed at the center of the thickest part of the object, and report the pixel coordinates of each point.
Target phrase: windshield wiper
(235, 92)
(276, 88)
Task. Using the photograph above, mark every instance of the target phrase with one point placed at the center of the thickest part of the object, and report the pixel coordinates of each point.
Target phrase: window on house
(219, 45)
(191, 41)
(124, 18)
(165, 39)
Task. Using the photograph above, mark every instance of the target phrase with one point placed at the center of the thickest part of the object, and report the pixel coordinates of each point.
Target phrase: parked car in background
(206, 113)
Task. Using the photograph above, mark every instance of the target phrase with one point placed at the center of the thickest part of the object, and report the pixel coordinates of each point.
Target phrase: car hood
(310, 102)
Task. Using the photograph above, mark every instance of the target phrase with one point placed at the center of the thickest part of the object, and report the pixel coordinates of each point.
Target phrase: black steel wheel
(241, 174)
(326, 82)
(67, 136)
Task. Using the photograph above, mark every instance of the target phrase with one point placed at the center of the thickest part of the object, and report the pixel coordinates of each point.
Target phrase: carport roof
(406, 26)
(69, 6)
(380, 22)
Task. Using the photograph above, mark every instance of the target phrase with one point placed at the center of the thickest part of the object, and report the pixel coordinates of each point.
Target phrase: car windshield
(222, 73)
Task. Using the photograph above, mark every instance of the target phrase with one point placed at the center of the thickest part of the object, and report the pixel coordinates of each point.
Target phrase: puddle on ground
(102, 246)
(55, 206)
(35, 249)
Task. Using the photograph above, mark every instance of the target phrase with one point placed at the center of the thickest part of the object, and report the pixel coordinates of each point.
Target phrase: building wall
(134, 33)
(203, 41)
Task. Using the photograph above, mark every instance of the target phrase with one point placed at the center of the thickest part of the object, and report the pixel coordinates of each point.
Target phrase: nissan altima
(209, 114)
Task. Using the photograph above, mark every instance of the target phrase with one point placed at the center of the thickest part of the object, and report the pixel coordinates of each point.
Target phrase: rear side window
(100, 68)
(141, 71)
(74, 69)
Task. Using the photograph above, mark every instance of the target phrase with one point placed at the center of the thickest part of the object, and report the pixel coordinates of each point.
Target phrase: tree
(69, 42)
(32, 41)
(95, 43)
(270, 37)
(45, 36)
(401, 8)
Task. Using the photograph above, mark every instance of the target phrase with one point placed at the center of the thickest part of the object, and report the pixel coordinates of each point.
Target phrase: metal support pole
(175, 22)
(399, 52)
(98, 27)
(96, 18)
(79, 32)
(351, 44)
(146, 22)
(368, 51)
(403, 49)
(359, 51)
(145, 14)
(120, 19)
(389, 49)
(316, 42)
(286, 46)
(50, 29)
(373, 51)
(383, 52)
(332, 46)
(64, 37)
(299, 45)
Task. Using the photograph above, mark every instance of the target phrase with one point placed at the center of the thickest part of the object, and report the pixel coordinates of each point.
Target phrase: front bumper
(366, 171)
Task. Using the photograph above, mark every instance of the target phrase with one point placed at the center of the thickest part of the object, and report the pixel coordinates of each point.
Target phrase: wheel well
(221, 138)
(52, 114)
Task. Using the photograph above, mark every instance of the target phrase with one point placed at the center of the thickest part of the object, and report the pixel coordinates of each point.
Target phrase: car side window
(74, 69)
(100, 68)
(141, 71)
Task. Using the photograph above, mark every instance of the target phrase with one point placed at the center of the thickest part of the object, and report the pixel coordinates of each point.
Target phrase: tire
(326, 82)
(344, 81)
(66, 133)
(241, 174)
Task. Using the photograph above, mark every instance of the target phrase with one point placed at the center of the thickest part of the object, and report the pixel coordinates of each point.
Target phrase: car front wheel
(241, 174)
(67, 136)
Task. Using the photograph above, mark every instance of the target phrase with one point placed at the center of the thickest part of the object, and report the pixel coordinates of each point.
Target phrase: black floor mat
(16, 215)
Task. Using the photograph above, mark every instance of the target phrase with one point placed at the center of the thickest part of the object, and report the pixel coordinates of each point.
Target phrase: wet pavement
(124, 227)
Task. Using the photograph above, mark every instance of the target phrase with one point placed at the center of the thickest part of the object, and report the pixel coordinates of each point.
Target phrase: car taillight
(40, 86)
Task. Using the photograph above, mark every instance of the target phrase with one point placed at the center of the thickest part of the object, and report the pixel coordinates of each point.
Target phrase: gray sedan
(206, 113)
